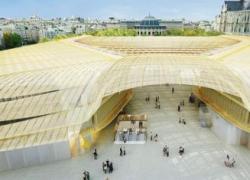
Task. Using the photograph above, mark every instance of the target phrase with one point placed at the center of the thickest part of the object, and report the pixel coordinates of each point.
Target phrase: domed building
(150, 26)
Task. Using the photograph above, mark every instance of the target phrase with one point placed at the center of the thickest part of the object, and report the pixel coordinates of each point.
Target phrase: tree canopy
(190, 32)
(113, 32)
(11, 40)
(169, 32)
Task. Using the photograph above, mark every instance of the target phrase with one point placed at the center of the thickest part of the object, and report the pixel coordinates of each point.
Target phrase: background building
(29, 34)
(206, 25)
(35, 28)
(151, 26)
(234, 17)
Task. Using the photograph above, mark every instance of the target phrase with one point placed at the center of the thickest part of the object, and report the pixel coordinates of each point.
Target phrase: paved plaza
(203, 158)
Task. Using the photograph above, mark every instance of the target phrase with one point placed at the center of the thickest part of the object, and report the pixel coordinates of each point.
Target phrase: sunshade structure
(47, 91)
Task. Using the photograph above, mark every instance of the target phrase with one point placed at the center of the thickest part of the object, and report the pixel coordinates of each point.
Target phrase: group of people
(182, 121)
(107, 167)
(153, 137)
(147, 99)
(166, 151)
(122, 151)
(180, 106)
(86, 175)
(229, 162)
(157, 101)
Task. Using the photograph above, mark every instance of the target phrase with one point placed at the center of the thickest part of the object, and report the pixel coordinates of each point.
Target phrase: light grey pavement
(203, 158)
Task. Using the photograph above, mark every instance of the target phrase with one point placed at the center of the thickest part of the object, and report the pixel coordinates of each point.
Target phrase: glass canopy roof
(51, 89)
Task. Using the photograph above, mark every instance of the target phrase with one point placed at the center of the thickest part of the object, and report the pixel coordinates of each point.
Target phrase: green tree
(73, 30)
(17, 40)
(11, 40)
(113, 32)
(190, 32)
(173, 32)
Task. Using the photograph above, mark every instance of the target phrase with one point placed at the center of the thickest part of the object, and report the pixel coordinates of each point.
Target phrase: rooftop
(48, 88)
(149, 17)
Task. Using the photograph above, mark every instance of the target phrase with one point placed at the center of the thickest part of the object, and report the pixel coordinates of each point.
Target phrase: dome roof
(150, 21)
(149, 18)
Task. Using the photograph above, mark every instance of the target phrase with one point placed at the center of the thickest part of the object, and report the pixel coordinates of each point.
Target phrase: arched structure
(48, 91)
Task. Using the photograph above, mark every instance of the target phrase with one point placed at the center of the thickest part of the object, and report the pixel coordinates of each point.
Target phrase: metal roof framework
(50, 90)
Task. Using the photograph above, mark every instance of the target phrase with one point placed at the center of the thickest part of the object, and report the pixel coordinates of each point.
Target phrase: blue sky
(136, 9)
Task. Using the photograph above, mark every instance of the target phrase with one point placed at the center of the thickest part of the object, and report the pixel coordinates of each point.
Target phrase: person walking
(164, 150)
(124, 151)
(179, 108)
(167, 152)
(156, 137)
(172, 90)
(86, 175)
(111, 167)
(107, 163)
(181, 150)
(233, 162)
(105, 168)
(95, 154)
(121, 153)
(151, 136)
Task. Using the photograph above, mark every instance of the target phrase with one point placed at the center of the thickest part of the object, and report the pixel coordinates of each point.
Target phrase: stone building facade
(150, 26)
(234, 17)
